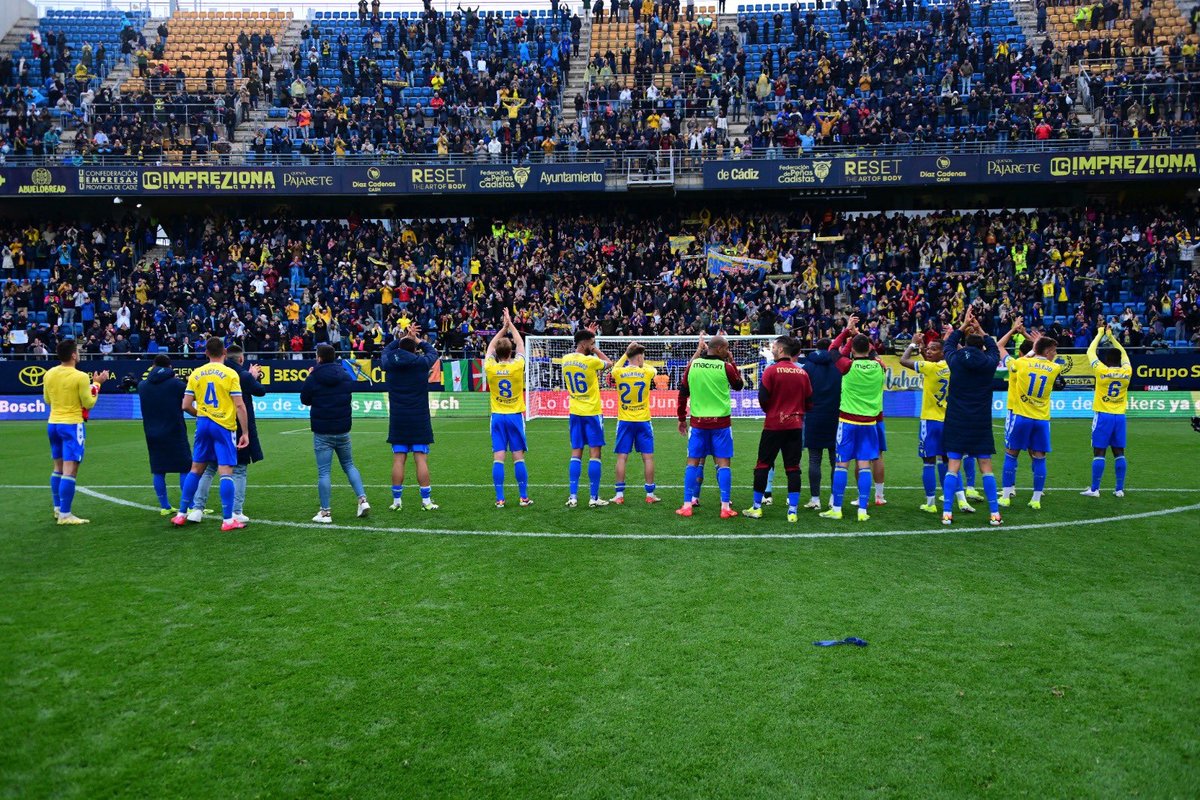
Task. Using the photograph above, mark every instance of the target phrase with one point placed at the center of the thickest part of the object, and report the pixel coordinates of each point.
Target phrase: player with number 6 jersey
(634, 380)
(504, 367)
(1113, 373)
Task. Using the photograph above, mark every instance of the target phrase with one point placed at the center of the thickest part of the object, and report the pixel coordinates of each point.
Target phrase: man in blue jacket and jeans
(327, 392)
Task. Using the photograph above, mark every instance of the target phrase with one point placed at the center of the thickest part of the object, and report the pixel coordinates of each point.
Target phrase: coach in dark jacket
(406, 363)
(820, 425)
(161, 397)
(236, 359)
(328, 391)
(967, 430)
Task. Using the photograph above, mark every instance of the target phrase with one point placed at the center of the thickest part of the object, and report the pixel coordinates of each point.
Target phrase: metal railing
(619, 158)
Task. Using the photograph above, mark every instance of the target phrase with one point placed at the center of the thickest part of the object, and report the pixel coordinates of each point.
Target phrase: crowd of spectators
(283, 286)
(490, 86)
(941, 79)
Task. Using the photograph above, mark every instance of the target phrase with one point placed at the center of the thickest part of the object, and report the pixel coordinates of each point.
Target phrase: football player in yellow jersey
(1113, 373)
(634, 381)
(214, 397)
(1031, 381)
(504, 367)
(935, 386)
(69, 393)
(581, 373)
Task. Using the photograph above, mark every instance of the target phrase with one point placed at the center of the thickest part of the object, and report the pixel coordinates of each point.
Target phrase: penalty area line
(668, 536)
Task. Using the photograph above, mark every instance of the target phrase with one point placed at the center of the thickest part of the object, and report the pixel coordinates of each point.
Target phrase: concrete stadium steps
(577, 77)
(121, 73)
(18, 33)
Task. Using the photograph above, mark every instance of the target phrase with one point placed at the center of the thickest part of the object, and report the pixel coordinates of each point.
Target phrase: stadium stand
(232, 44)
(67, 38)
(286, 286)
(407, 82)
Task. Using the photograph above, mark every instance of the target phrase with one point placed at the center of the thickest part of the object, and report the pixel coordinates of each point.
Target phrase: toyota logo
(32, 376)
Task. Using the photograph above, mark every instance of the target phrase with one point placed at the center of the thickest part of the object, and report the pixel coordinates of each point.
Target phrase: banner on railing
(950, 170)
(1166, 371)
(433, 178)
(1066, 404)
(278, 375)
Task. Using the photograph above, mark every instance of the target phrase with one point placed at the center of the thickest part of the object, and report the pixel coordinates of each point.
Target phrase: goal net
(547, 396)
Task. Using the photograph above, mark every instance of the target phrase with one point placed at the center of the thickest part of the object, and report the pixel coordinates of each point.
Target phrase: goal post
(546, 394)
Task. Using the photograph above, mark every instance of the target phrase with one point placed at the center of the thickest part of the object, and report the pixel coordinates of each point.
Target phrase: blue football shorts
(857, 442)
(66, 440)
(508, 432)
(1108, 430)
(716, 442)
(586, 431)
(634, 436)
(1024, 433)
(214, 444)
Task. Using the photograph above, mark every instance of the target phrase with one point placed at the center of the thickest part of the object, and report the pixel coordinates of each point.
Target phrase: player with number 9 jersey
(214, 386)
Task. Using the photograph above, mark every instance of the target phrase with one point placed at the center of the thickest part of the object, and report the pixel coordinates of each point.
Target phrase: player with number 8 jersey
(504, 367)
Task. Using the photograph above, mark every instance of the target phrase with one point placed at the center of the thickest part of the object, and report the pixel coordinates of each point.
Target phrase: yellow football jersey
(1032, 379)
(581, 374)
(506, 384)
(1112, 388)
(633, 391)
(214, 387)
(67, 391)
(935, 384)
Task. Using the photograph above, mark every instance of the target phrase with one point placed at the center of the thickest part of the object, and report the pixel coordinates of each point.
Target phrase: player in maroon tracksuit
(785, 396)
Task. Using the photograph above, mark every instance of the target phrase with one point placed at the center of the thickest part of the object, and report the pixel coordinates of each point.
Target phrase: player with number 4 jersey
(1113, 372)
(505, 371)
(634, 380)
(214, 397)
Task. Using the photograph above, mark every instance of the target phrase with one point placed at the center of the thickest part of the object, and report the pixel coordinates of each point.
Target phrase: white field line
(666, 536)
(633, 487)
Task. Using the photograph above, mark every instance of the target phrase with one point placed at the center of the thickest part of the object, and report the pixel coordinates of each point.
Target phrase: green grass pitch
(1057, 656)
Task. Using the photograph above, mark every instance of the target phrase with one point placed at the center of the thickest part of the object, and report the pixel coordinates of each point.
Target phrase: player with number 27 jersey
(633, 406)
